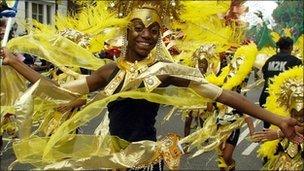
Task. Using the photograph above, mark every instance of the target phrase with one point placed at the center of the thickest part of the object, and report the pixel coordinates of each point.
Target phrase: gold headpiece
(147, 16)
(207, 52)
(147, 10)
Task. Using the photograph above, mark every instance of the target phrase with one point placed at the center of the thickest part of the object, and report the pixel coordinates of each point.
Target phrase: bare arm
(100, 78)
(239, 102)
(95, 81)
(19, 66)
(229, 98)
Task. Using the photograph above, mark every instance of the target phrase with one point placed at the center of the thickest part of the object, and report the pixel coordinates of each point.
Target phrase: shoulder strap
(115, 71)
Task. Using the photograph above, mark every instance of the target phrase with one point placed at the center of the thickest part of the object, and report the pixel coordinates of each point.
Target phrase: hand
(7, 57)
(265, 135)
(62, 108)
(251, 132)
(67, 107)
(287, 126)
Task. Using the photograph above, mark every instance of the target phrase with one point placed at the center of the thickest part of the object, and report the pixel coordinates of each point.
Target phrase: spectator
(276, 64)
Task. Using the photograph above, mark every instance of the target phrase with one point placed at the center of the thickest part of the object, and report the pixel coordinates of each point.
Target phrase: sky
(266, 7)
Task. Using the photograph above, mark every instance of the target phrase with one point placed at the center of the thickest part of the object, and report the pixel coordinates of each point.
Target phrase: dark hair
(284, 43)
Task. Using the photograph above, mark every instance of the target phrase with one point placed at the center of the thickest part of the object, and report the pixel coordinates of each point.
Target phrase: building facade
(43, 11)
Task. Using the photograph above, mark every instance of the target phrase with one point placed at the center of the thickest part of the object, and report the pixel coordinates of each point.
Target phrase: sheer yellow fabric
(50, 150)
(58, 50)
(12, 86)
(210, 137)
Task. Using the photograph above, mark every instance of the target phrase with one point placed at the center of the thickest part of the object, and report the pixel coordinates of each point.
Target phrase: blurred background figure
(276, 64)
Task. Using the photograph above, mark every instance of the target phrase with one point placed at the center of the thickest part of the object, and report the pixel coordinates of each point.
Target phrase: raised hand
(266, 135)
(288, 127)
(7, 56)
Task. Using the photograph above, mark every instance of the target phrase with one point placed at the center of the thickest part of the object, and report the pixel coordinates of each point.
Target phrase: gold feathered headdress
(167, 10)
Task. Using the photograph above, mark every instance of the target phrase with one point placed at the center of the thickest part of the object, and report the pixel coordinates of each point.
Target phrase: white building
(265, 7)
(40, 10)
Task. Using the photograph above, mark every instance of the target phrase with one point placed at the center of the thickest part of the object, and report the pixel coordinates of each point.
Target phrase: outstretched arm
(239, 102)
(242, 104)
(84, 85)
(229, 98)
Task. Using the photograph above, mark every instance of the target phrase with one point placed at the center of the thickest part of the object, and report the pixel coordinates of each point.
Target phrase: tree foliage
(289, 13)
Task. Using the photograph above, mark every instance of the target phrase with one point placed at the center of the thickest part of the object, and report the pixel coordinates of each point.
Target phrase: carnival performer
(286, 98)
(276, 64)
(224, 116)
(133, 119)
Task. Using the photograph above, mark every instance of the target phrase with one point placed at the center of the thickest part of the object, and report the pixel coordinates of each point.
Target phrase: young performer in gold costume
(133, 86)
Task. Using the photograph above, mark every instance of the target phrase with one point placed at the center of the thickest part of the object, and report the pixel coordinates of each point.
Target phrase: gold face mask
(146, 15)
(296, 98)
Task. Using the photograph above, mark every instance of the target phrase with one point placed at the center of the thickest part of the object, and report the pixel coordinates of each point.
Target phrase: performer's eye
(138, 28)
(155, 30)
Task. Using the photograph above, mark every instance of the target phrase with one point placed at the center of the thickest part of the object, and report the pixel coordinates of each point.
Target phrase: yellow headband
(148, 16)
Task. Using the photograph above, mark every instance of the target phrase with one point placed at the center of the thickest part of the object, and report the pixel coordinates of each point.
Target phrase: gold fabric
(147, 16)
(12, 86)
(80, 150)
(284, 161)
(210, 137)
(58, 50)
(25, 104)
(120, 154)
(79, 86)
(207, 90)
(174, 70)
(114, 83)
(133, 77)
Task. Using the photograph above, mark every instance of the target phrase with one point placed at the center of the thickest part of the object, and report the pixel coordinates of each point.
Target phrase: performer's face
(141, 39)
(2, 28)
(203, 65)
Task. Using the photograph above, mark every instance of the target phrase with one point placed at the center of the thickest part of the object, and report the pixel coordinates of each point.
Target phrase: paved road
(245, 153)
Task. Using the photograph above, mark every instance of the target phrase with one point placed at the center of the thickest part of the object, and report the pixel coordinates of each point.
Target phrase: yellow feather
(287, 32)
(195, 11)
(269, 51)
(249, 53)
(275, 36)
(298, 47)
